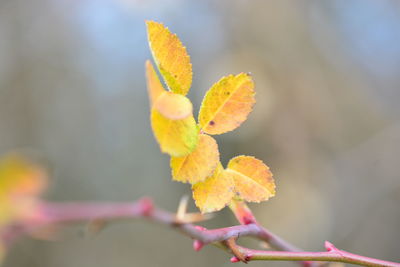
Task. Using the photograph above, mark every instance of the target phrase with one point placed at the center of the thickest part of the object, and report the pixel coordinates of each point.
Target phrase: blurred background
(327, 119)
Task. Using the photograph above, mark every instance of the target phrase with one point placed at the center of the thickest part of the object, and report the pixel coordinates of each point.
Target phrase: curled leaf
(154, 86)
(227, 104)
(177, 138)
(215, 192)
(174, 106)
(171, 105)
(253, 179)
(171, 57)
(199, 164)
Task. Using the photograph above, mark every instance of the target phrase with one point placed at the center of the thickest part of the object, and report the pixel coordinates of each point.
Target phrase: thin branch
(333, 254)
(59, 213)
(236, 250)
(245, 216)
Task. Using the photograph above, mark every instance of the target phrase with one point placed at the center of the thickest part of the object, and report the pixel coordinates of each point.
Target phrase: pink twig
(64, 213)
(333, 254)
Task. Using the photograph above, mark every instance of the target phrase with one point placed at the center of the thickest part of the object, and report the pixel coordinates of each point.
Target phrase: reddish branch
(58, 213)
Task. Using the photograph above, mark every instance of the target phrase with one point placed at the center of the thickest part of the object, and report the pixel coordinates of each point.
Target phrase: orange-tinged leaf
(171, 57)
(177, 138)
(174, 106)
(199, 164)
(215, 192)
(253, 179)
(227, 104)
(154, 86)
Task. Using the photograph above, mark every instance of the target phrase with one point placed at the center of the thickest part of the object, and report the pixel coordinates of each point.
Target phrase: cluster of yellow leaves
(194, 153)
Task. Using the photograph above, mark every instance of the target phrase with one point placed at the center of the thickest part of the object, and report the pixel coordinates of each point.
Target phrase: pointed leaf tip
(171, 57)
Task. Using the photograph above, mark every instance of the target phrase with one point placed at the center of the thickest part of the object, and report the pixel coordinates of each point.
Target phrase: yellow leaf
(20, 184)
(215, 192)
(18, 176)
(171, 57)
(154, 86)
(199, 164)
(253, 179)
(227, 104)
(174, 106)
(177, 138)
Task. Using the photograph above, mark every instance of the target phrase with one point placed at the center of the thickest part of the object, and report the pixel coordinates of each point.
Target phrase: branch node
(147, 206)
(231, 244)
(248, 257)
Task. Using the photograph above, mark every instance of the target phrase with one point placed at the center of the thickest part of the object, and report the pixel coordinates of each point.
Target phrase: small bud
(248, 220)
(200, 228)
(197, 245)
(234, 259)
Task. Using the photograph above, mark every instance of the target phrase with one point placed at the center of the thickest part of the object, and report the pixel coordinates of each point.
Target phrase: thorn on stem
(182, 208)
(330, 247)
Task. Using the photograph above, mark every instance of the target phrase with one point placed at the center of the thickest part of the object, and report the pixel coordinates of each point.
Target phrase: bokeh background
(327, 118)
